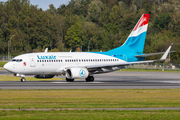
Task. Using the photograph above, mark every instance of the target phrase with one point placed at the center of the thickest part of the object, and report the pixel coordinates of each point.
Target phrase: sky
(44, 4)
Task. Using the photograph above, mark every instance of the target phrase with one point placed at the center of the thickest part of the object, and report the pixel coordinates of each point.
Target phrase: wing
(125, 64)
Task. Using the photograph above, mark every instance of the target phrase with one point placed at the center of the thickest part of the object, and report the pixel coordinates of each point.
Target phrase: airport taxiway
(114, 80)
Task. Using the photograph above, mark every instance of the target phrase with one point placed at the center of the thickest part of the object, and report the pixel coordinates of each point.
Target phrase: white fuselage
(55, 63)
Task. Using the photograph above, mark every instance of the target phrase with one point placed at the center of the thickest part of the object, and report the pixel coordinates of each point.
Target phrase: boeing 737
(83, 65)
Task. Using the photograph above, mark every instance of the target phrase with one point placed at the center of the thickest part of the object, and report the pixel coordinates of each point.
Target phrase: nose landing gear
(23, 79)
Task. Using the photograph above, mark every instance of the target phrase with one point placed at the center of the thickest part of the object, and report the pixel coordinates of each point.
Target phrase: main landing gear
(90, 79)
(69, 80)
(23, 79)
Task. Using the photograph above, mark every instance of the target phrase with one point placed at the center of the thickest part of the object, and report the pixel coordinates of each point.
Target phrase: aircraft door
(32, 61)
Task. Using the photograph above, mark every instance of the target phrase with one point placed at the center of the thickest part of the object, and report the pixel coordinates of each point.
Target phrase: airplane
(83, 65)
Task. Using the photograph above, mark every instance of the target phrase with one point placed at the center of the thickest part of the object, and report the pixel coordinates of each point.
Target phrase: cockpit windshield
(16, 60)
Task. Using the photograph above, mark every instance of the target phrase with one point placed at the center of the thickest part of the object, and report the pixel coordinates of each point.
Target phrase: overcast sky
(44, 4)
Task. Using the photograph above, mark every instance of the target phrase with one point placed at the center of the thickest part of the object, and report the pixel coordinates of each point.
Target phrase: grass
(2, 63)
(14, 78)
(149, 70)
(91, 115)
(116, 98)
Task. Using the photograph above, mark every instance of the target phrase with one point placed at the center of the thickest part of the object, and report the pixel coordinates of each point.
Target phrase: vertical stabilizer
(135, 41)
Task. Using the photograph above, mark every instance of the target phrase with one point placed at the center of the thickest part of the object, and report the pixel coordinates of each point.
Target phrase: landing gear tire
(90, 79)
(69, 80)
(23, 80)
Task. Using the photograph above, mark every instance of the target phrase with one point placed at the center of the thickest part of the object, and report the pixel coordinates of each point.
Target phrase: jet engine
(44, 76)
(77, 73)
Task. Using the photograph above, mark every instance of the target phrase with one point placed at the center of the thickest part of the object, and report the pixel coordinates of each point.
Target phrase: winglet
(46, 50)
(166, 53)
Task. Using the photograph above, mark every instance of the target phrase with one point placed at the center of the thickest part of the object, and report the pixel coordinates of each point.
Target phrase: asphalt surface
(114, 80)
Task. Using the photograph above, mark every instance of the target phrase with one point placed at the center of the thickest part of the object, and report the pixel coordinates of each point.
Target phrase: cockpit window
(16, 60)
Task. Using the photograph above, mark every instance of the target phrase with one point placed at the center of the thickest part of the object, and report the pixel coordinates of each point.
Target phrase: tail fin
(135, 41)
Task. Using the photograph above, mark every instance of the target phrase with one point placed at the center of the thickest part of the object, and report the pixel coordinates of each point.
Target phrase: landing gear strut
(23, 79)
(69, 80)
(90, 79)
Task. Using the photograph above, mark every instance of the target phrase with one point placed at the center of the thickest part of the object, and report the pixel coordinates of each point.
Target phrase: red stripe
(143, 21)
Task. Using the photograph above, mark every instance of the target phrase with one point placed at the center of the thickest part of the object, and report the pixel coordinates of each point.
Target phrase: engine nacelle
(44, 76)
(77, 73)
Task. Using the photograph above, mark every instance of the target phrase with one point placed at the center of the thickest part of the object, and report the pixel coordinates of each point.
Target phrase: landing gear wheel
(23, 80)
(69, 80)
(90, 79)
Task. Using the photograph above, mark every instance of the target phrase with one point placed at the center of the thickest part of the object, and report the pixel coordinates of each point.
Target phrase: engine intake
(77, 73)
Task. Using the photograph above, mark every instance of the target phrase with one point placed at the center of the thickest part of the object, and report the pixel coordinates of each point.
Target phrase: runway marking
(61, 82)
(76, 82)
(171, 82)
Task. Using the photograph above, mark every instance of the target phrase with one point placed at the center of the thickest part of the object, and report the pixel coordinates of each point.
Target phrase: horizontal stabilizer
(152, 54)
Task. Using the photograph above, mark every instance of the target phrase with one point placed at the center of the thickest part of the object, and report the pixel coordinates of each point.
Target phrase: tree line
(105, 24)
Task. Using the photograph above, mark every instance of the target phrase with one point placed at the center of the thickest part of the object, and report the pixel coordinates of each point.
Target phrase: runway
(114, 80)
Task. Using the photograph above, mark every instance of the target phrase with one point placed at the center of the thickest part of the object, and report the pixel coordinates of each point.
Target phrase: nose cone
(7, 67)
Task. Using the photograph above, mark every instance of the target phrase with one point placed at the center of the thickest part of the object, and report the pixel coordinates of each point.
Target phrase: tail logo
(143, 21)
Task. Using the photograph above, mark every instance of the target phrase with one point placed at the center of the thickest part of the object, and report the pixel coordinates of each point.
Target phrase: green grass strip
(91, 115)
(103, 98)
(149, 70)
(2, 63)
(14, 78)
